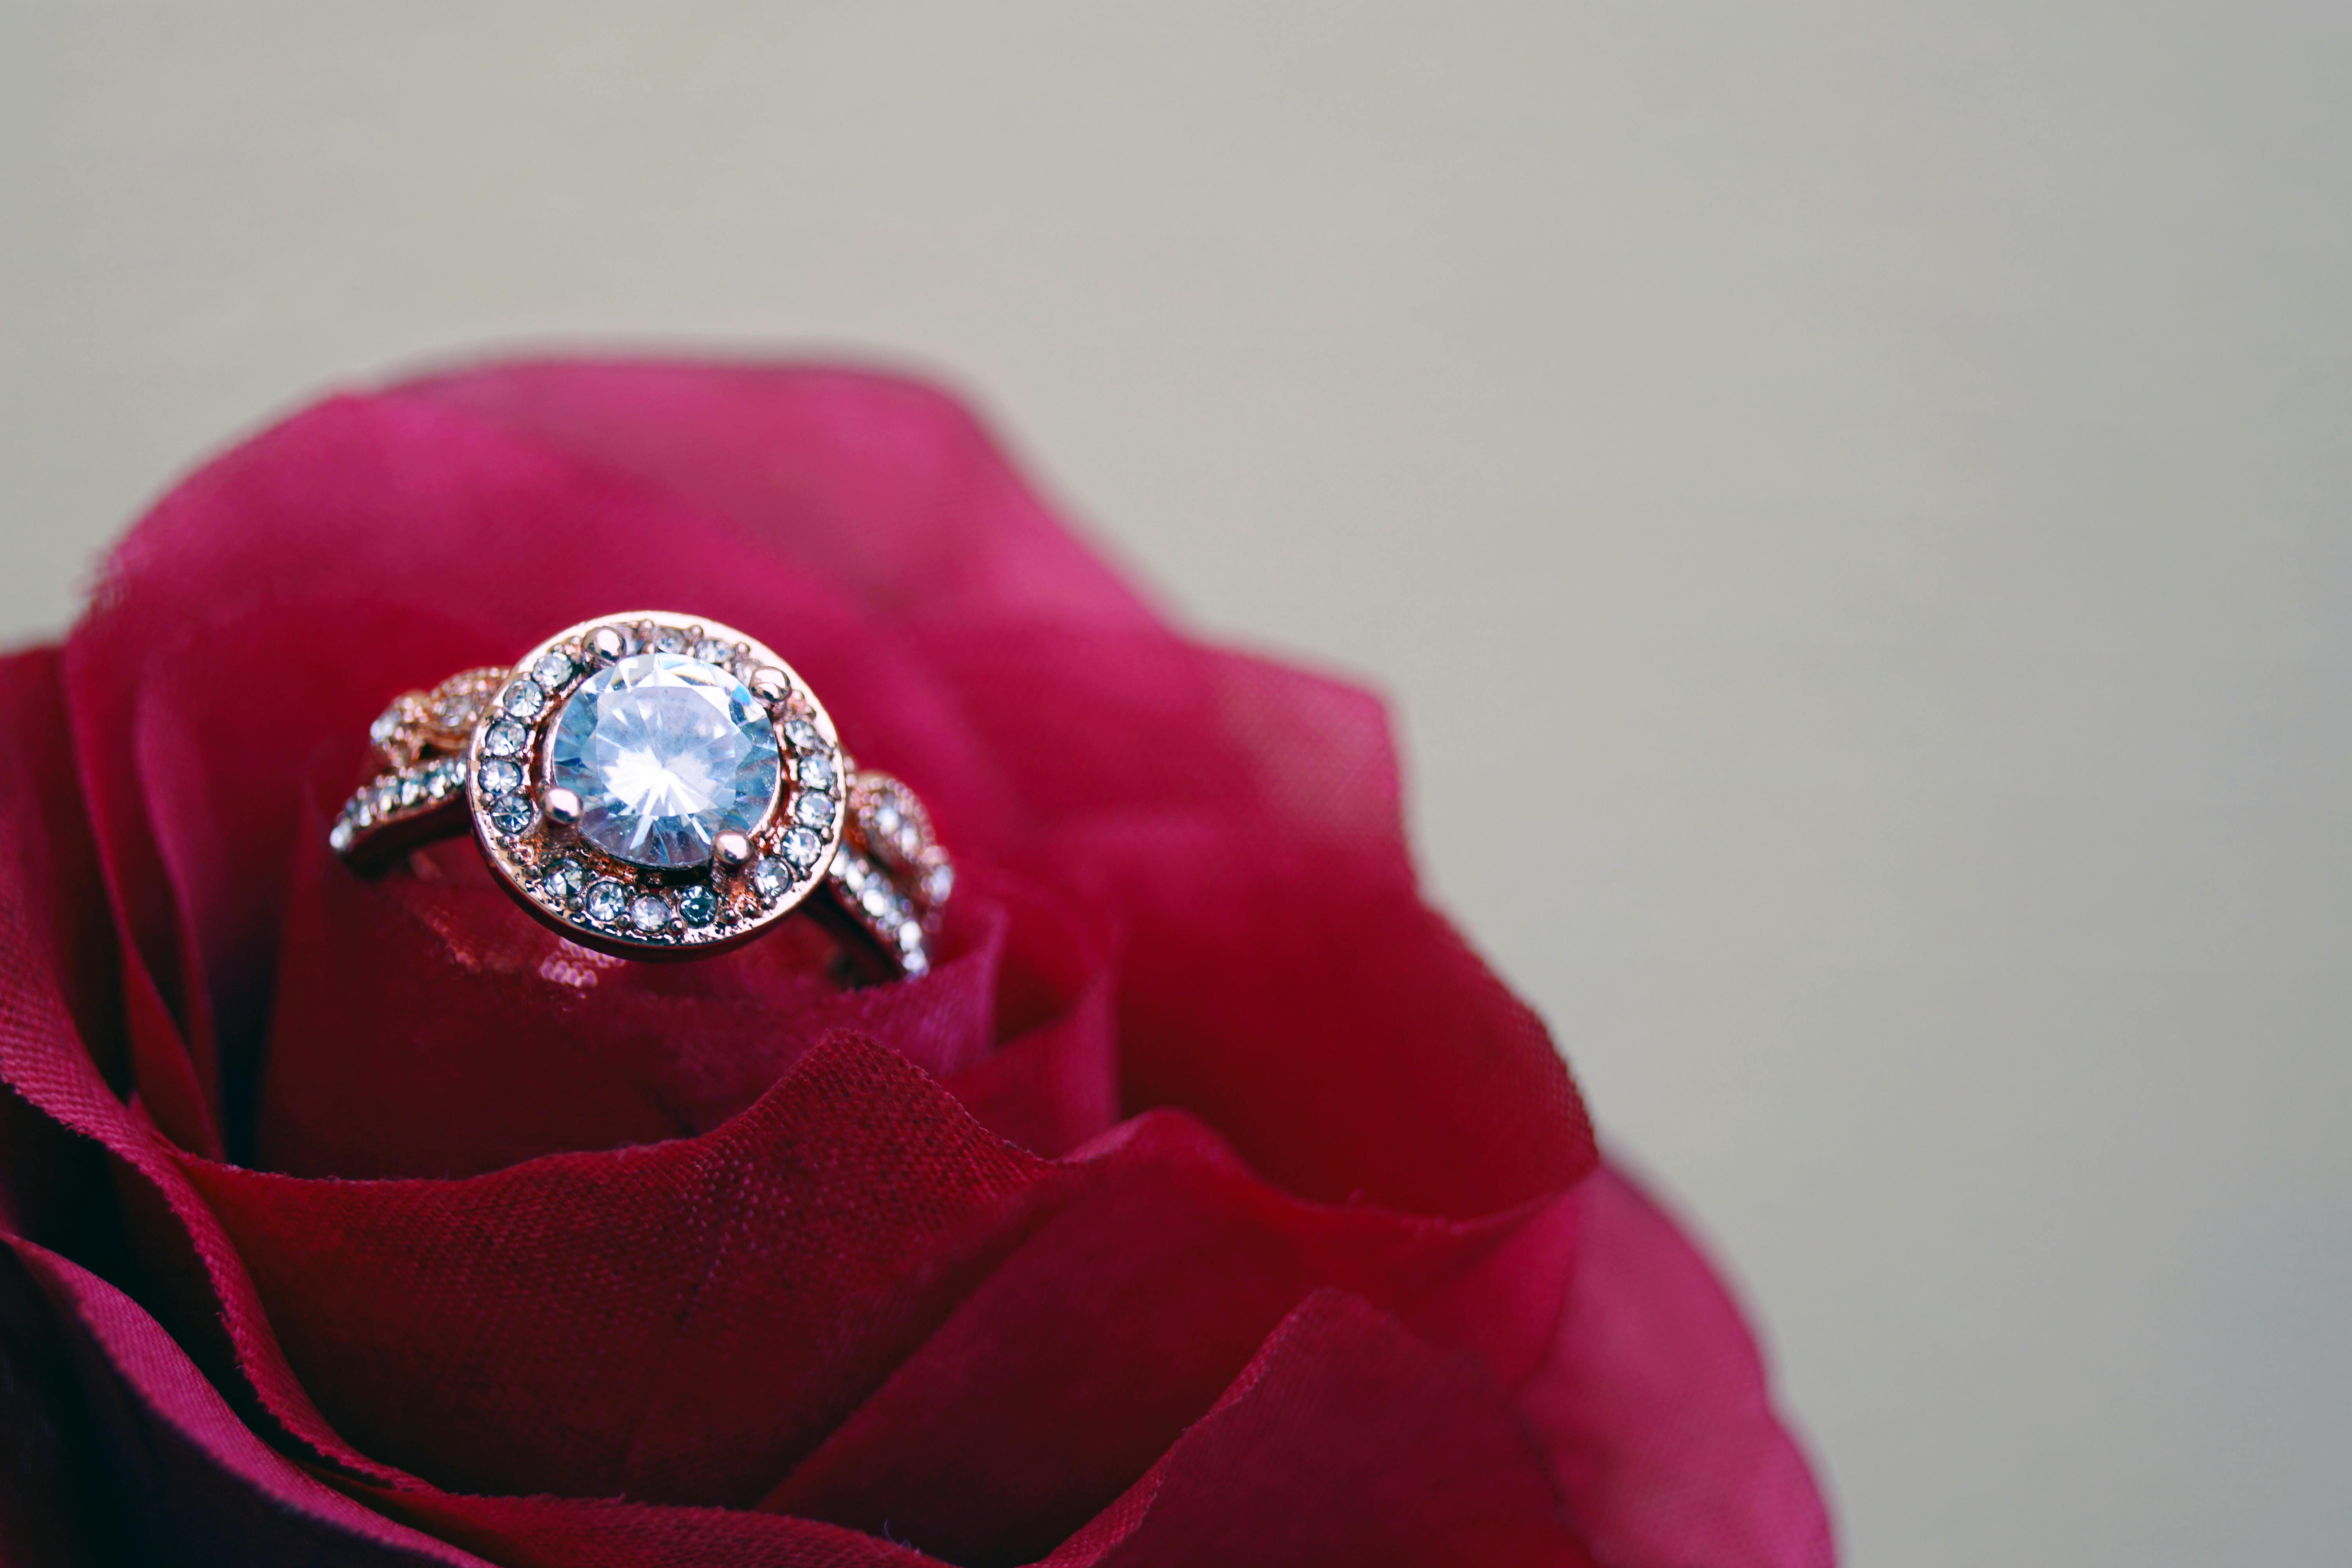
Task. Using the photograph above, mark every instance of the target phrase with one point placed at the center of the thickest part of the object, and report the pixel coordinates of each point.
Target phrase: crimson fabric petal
(1060, 1378)
(189, 1483)
(666, 1323)
(1653, 1406)
(1346, 1440)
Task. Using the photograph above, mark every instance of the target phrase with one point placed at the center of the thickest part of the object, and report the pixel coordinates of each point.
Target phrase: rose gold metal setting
(478, 746)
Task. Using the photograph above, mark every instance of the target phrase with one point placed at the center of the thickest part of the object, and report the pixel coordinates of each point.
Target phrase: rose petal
(428, 1028)
(1062, 1377)
(875, 481)
(669, 1321)
(1654, 1408)
(1346, 1440)
(180, 1471)
(1335, 1028)
(598, 1533)
(45, 1061)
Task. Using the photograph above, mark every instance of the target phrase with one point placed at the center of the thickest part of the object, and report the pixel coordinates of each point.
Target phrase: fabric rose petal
(1209, 1200)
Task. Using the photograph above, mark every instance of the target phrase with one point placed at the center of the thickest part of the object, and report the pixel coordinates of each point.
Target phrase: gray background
(1849, 501)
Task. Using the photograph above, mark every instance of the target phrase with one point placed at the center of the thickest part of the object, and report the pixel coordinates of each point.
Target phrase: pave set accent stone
(891, 874)
(771, 880)
(604, 900)
(395, 796)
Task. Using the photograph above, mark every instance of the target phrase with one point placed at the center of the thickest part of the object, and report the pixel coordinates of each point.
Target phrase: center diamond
(665, 754)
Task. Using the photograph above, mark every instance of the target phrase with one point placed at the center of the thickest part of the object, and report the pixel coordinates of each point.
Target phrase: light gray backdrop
(1850, 502)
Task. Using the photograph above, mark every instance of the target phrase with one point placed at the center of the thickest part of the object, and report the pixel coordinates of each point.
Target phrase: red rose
(1209, 1203)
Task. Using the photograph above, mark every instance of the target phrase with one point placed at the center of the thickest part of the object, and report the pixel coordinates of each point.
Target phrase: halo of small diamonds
(593, 896)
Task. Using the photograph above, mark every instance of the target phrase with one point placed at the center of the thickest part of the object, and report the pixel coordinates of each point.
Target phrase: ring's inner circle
(665, 753)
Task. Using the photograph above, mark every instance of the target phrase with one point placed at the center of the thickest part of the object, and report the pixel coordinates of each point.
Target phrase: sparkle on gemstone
(650, 912)
(499, 776)
(510, 813)
(800, 846)
(665, 753)
(698, 905)
(813, 810)
(877, 900)
(709, 651)
(938, 882)
(554, 668)
(815, 772)
(524, 699)
(563, 880)
(604, 900)
(802, 734)
(770, 881)
(504, 738)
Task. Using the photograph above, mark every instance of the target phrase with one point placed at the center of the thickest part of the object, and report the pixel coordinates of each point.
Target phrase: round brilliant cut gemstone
(698, 905)
(563, 880)
(524, 699)
(816, 771)
(938, 882)
(711, 651)
(604, 900)
(813, 810)
(510, 813)
(800, 846)
(554, 668)
(665, 753)
(499, 776)
(802, 734)
(504, 738)
(650, 912)
(770, 881)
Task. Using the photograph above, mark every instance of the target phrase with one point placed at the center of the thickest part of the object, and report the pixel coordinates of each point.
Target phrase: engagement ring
(655, 786)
